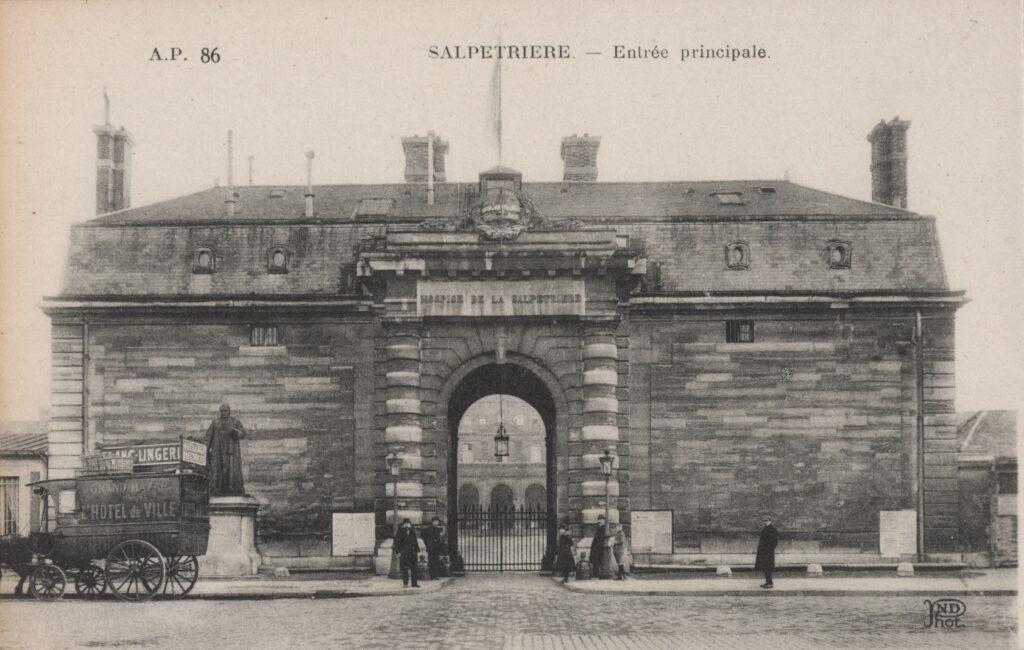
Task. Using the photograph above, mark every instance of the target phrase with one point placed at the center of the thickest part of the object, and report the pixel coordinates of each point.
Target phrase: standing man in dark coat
(224, 454)
(407, 546)
(597, 547)
(766, 552)
(565, 558)
(432, 537)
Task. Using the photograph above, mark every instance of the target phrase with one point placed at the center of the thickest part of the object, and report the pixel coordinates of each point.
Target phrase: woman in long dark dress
(565, 561)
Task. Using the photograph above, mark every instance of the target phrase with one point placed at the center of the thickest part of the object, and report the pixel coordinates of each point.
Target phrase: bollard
(723, 571)
(282, 572)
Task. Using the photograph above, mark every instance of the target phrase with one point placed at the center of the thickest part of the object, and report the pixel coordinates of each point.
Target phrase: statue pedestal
(232, 547)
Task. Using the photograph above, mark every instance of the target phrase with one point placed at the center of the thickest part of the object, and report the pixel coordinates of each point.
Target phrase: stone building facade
(741, 347)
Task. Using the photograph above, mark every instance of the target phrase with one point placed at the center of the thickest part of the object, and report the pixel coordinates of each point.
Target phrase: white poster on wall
(897, 532)
(352, 533)
(651, 531)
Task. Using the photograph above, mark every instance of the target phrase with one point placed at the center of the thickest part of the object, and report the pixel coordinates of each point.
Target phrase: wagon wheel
(135, 570)
(90, 581)
(182, 573)
(47, 582)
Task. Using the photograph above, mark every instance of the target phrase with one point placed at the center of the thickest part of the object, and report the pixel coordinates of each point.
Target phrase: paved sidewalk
(988, 582)
(265, 588)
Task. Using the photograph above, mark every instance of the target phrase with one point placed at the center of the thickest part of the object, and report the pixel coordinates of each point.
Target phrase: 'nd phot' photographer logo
(945, 613)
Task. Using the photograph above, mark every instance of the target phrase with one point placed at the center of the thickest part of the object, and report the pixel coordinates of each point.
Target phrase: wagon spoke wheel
(135, 570)
(90, 581)
(182, 573)
(47, 582)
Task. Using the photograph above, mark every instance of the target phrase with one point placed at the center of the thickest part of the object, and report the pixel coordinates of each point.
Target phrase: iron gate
(502, 538)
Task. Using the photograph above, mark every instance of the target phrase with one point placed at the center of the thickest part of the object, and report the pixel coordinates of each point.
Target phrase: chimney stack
(113, 164)
(416, 155)
(889, 162)
(580, 156)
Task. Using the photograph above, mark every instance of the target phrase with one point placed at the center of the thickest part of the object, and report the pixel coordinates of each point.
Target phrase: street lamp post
(607, 569)
(395, 467)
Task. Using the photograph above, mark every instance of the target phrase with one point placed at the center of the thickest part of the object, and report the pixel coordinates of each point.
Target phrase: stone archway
(469, 495)
(520, 377)
(535, 496)
(502, 496)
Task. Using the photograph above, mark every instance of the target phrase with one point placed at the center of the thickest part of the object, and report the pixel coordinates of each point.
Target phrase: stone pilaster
(403, 432)
(68, 408)
(600, 419)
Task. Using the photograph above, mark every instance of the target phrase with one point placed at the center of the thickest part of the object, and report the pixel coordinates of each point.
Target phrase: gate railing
(502, 538)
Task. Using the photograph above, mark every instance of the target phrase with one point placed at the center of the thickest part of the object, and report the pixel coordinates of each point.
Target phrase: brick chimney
(416, 153)
(580, 156)
(889, 162)
(113, 165)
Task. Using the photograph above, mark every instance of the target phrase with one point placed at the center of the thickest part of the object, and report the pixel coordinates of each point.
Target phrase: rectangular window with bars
(739, 331)
(263, 335)
(9, 503)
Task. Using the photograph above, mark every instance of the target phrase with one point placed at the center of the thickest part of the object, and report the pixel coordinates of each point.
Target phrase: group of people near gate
(566, 564)
(406, 544)
(565, 560)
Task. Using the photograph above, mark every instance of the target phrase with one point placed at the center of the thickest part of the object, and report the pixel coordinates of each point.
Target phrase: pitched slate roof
(23, 439)
(988, 432)
(586, 201)
(148, 251)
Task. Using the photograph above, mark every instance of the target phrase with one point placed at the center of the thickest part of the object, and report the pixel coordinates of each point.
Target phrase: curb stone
(797, 592)
(293, 594)
(704, 593)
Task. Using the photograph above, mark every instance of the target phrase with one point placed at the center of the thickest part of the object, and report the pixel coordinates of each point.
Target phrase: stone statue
(224, 454)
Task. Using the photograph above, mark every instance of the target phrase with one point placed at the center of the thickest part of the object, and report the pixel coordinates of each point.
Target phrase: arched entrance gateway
(507, 534)
(498, 300)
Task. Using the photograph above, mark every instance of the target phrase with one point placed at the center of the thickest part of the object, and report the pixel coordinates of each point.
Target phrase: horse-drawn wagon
(141, 511)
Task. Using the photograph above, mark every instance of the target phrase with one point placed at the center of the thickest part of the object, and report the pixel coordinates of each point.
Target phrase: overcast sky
(348, 80)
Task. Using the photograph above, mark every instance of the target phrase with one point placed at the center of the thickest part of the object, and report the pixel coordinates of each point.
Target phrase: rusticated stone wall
(814, 422)
(305, 402)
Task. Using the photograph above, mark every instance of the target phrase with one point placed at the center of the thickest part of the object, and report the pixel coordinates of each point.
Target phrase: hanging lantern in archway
(501, 442)
(501, 436)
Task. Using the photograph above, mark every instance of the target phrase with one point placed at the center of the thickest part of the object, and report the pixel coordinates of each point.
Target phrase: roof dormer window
(728, 198)
(203, 260)
(373, 208)
(500, 179)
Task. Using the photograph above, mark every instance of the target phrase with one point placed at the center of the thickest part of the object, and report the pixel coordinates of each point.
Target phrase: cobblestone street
(511, 611)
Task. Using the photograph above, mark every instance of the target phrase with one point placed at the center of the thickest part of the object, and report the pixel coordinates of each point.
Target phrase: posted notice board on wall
(651, 531)
(352, 533)
(897, 533)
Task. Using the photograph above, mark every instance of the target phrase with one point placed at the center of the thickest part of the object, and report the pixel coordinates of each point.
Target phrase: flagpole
(499, 104)
(495, 108)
